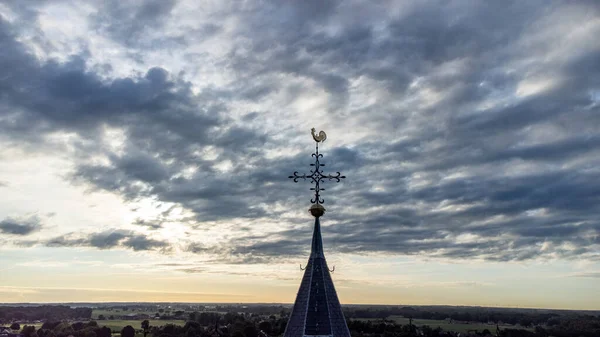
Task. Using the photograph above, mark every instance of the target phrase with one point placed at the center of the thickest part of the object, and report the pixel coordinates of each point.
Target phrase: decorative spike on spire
(316, 249)
(317, 311)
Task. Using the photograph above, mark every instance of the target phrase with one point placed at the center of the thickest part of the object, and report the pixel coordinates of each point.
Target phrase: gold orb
(316, 210)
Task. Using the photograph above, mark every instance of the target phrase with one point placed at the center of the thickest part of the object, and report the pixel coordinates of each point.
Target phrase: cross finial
(316, 176)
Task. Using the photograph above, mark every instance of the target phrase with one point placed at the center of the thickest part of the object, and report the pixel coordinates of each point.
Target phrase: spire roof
(317, 310)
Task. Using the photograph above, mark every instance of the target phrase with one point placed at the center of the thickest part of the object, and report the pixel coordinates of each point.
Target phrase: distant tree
(16, 326)
(192, 332)
(29, 331)
(145, 327)
(48, 325)
(232, 317)
(104, 332)
(63, 328)
(128, 331)
(170, 329)
(427, 330)
(541, 331)
(250, 331)
(101, 317)
(77, 326)
(88, 332)
(525, 322)
(282, 325)
(161, 310)
(516, 333)
(111, 317)
(265, 326)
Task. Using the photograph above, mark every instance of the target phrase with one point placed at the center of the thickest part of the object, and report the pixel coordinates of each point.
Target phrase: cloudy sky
(145, 148)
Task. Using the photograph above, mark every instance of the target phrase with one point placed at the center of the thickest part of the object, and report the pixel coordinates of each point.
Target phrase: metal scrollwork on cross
(316, 176)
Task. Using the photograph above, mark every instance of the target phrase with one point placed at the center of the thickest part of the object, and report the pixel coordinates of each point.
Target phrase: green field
(118, 325)
(36, 325)
(108, 313)
(448, 326)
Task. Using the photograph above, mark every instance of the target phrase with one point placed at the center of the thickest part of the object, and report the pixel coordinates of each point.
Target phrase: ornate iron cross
(316, 176)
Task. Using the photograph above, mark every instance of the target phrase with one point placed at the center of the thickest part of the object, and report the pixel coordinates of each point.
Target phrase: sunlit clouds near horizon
(145, 148)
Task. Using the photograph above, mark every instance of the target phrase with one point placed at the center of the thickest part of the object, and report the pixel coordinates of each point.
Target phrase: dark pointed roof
(317, 310)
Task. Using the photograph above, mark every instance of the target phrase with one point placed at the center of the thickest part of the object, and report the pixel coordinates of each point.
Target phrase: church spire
(317, 311)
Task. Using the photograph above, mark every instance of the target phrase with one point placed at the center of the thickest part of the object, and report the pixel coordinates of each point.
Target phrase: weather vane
(316, 176)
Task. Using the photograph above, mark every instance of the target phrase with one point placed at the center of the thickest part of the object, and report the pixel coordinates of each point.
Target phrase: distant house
(7, 332)
(135, 316)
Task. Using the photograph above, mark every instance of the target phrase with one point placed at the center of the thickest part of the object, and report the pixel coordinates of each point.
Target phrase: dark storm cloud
(61, 241)
(459, 163)
(149, 224)
(286, 247)
(424, 36)
(20, 226)
(106, 240)
(238, 253)
(143, 25)
(130, 22)
(511, 213)
(141, 242)
(165, 125)
(113, 238)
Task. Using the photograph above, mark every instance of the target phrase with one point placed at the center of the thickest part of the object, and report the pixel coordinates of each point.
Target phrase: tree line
(467, 314)
(273, 323)
(64, 329)
(210, 324)
(42, 313)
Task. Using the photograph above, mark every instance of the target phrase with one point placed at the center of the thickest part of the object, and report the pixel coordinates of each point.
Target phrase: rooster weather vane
(316, 176)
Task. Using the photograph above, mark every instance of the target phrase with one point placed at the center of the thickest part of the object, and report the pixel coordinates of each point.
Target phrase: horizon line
(289, 304)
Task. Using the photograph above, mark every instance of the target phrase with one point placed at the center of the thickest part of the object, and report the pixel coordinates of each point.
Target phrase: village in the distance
(262, 320)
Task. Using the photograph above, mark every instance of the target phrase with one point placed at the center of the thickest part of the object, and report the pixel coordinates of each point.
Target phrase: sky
(145, 149)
